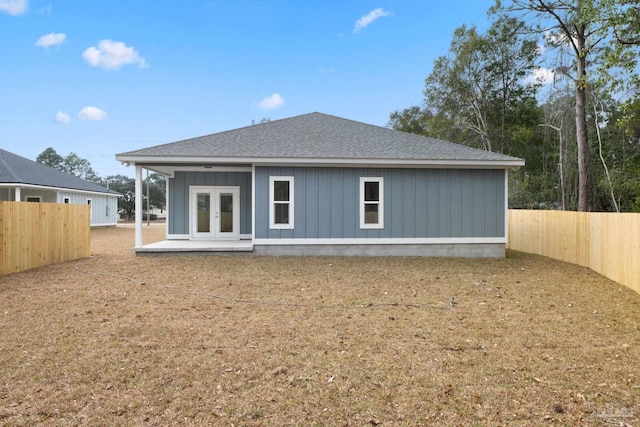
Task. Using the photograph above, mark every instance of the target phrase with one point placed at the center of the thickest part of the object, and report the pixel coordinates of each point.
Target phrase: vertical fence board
(38, 234)
(608, 243)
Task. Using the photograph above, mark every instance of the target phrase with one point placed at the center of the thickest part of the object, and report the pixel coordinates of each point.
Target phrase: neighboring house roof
(15, 169)
(316, 136)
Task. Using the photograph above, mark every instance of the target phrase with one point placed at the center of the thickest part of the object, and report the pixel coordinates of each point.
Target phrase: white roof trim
(159, 160)
(44, 187)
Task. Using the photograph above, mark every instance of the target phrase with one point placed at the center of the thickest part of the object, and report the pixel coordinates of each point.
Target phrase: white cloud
(14, 7)
(367, 19)
(271, 102)
(52, 39)
(92, 114)
(112, 55)
(542, 76)
(62, 117)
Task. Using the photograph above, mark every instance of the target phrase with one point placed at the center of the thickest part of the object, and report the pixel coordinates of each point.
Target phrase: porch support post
(138, 215)
(17, 195)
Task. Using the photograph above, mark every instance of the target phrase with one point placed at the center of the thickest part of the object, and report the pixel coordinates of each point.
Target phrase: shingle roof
(15, 169)
(316, 136)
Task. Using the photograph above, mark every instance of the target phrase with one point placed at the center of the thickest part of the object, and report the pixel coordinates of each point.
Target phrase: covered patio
(194, 247)
(154, 240)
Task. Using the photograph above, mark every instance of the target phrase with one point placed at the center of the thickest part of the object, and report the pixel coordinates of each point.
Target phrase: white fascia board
(324, 162)
(44, 187)
(394, 163)
(383, 241)
(170, 170)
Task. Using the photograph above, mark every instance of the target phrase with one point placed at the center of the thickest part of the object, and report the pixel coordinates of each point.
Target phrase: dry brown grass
(315, 341)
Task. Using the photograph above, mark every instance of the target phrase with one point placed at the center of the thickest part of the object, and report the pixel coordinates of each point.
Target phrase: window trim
(36, 196)
(66, 200)
(90, 204)
(380, 203)
(272, 203)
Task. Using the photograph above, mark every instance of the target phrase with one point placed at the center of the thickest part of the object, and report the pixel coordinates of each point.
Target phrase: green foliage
(157, 190)
(412, 120)
(71, 164)
(77, 166)
(476, 92)
(126, 186)
(51, 158)
(481, 95)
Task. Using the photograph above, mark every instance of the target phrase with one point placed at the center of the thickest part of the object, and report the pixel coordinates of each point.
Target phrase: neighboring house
(319, 184)
(24, 180)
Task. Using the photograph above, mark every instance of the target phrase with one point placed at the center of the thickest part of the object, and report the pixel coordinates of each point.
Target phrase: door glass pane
(226, 212)
(204, 212)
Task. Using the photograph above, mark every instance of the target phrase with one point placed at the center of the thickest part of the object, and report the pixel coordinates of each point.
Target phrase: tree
(413, 120)
(157, 190)
(578, 27)
(77, 166)
(479, 89)
(125, 186)
(51, 158)
(71, 164)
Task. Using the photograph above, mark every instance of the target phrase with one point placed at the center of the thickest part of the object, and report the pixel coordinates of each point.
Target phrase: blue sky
(102, 77)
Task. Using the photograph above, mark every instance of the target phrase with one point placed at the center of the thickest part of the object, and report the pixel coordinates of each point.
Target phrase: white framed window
(371, 202)
(281, 202)
(90, 209)
(34, 199)
(66, 200)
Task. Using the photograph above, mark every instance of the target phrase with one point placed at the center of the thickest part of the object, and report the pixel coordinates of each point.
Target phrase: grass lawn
(120, 340)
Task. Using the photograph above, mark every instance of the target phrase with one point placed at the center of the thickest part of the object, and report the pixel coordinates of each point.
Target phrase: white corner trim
(253, 202)
(384, 241)
(506, 206)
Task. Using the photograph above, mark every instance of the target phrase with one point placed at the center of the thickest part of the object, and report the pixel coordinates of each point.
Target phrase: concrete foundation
(472, 250)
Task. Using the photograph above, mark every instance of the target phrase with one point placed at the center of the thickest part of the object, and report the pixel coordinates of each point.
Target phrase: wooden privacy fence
(38, 234)
(608, 243)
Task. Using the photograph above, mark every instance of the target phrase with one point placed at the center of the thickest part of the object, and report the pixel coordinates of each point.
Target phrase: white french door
(214, 212)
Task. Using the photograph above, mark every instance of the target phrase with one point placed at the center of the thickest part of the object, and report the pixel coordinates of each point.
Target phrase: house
(320, 184)
(24, 180)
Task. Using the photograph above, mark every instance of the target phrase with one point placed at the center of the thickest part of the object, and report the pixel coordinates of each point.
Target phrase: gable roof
(15, 169)
(317, 137)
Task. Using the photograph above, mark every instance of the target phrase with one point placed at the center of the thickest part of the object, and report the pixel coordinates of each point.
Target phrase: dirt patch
(118, 340)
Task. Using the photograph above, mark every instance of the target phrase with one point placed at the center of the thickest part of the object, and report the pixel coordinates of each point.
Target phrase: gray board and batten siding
(178, 217)
(418, 203)
(104, 209)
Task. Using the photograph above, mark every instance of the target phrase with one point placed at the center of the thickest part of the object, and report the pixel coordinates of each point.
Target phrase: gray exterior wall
(178, 212)
(104, 209)
(418, 203)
